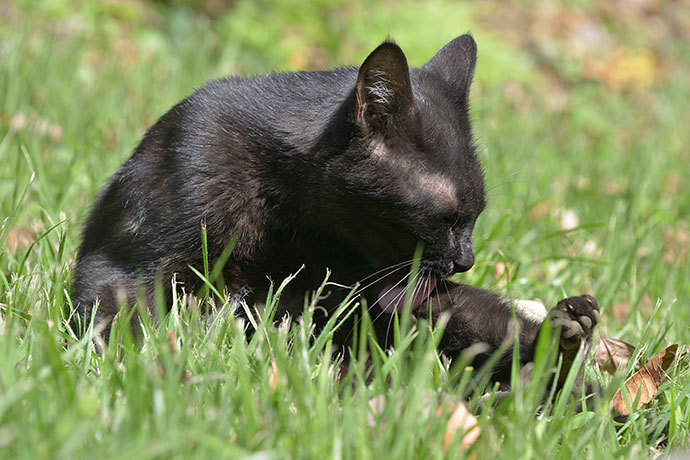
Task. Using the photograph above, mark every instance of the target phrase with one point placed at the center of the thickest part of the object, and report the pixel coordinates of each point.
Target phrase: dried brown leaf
(676, 244)
(273, 374)
(538, 211)
(503, 272)
(172, 341)
(623, 68)
(613, 354)
(19, 239)
(673, 183)
(569, 220)
(621, 310)
(377, 405)
(37, 124)
(464, 423)
(645, 382)
(613, 187)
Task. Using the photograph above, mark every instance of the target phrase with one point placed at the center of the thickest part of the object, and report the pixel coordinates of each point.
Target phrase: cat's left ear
(384, 93)
(455, 63)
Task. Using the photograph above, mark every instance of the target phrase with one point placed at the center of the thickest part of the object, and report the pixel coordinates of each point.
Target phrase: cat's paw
(576, 318)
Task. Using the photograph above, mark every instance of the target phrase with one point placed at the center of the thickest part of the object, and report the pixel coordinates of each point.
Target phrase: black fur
(346, 169)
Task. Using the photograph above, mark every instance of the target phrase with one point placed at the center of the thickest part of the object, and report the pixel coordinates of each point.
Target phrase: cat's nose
(465, 260)
(465, 263)
(462, 251)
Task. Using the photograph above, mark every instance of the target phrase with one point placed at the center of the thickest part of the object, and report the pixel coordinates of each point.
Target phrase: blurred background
(580, 108)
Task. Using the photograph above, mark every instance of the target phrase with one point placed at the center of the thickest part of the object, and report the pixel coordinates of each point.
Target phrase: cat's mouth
(392, 297)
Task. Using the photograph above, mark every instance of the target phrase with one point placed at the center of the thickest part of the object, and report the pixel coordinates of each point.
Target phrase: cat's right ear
(384, 101)
(455, 63)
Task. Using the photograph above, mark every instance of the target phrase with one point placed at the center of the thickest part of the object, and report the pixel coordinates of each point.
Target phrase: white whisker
(367, 286)
(400, 297)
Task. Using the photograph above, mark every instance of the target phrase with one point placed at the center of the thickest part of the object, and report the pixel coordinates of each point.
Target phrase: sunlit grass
(587, 198)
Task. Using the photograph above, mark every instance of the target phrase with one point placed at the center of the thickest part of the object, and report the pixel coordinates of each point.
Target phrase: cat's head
(418, 173)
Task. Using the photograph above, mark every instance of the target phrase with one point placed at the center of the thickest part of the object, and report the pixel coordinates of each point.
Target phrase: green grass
(79, 84)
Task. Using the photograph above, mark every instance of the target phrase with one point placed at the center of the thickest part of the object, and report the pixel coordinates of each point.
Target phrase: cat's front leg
(481, 317)
(574, 319)
(483, 323)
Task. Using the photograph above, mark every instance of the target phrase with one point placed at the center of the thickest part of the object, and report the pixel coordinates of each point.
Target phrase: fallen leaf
(621, 310)
(377, 405)
(645, 304)
(514, 92)
(676, 243)
(591, 249)
(672, 183)
(613, 187)
(273, 374)
(19, 239)
(298, 59)
(172, 341)
(581, 182)
(569, 220)
(538, 211)
(464, 423)
(37, 124)
(643, 251)
(174, 351)
(503, 271)
(645, 382)
(613, 354)
(622, 68)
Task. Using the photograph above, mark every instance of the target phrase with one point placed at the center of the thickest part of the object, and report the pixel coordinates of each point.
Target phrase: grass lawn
(581, 111)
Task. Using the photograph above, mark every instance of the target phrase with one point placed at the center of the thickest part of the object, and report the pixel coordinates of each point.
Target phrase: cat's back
(280, 102)
(273, 89)
(213, 143)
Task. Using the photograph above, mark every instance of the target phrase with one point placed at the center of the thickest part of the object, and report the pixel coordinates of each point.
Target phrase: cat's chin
(392, 297)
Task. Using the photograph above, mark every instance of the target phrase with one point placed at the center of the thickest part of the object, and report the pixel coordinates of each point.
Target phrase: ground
(580, 110)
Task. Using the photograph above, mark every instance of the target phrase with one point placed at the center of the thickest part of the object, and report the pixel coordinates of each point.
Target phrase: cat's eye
(453, 219)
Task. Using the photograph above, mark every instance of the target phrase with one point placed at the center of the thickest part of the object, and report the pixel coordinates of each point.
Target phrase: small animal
(346, 170)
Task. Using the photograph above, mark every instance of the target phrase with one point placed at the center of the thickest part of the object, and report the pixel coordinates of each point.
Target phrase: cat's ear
(455, 63)
(384, 94)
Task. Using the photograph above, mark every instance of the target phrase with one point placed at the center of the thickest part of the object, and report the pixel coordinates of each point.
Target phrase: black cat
(348, 169)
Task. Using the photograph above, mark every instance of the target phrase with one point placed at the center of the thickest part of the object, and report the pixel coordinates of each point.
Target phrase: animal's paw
(576, 317)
